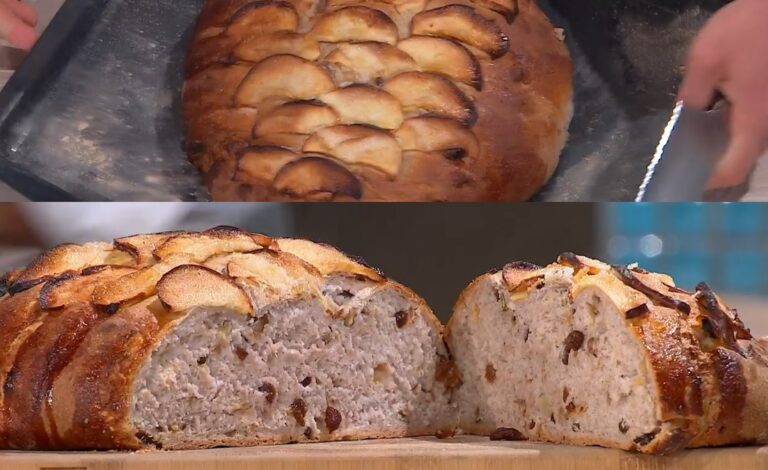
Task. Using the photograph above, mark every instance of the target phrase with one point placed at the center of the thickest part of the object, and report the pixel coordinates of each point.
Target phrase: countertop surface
(475, 453)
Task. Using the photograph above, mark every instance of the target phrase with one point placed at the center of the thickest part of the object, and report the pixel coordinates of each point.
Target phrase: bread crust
(519, 99)
(71, 361)
(708, 387)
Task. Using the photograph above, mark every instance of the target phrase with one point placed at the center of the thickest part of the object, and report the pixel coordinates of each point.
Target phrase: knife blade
(690, 147)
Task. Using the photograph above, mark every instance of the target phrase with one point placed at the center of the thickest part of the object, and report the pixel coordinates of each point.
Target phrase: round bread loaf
(219, 338)
(386, 100)
(584, 353)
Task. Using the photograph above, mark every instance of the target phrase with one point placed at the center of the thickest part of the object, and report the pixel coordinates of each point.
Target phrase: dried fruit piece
(507, 434)
(490, 373)
(319, 178)
(355, 24)
(623, 426)
(638, 311)
(422, 92)
(462, 23)
(445, 57)
(283, 76)
(368, 62)
(269, 392)
(401, 318)
(447, 373)
(362, 104)
(647, 438)
(627, 277)
(358, 145)
(573, 342)
(332, 419)
(298, 410)
(261, 17)
(299, 117)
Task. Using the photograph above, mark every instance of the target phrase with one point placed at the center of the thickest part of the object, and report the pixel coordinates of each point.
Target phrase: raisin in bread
(584, 353)
(386, 100)
(219, 338)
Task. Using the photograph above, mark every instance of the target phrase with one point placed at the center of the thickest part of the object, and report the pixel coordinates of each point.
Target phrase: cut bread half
(581, 352)
(219, 338)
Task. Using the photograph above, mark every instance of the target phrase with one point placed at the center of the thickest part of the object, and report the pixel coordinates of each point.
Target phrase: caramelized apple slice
(299, 117)
(317, 178)
(421, 92)
(142, 247)
(266, 16)
(359, 145)
(198, 247)
(462, 23)
(262, 163)
(284, 76)
(446, 57)
(361, 104)
(368, 62)
(436, 134)
(355, 24)
(189, 286)
(506, 8)
(259, 47)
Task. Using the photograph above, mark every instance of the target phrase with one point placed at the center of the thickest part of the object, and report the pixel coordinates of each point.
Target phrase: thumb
(15, 30)
(748, 142)
(703, 74)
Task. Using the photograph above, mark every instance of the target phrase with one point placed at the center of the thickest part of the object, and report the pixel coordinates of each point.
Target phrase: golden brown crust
(496, 68)
(75, 341)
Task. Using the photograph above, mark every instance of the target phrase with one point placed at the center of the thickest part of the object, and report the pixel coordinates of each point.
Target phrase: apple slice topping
(446, 57)
(317, 178)
(355, 24)
(261, 17)
(437, 134)
(284, 76)
(462, 23)
(298, 117)
(359, 145)
(368, 62)
(362, 104)
(428, 93)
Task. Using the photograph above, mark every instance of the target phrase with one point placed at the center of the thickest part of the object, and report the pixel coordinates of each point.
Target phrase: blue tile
(743, 218)
(689, 268)
(689, 218)
(634, 218)
(743, 271)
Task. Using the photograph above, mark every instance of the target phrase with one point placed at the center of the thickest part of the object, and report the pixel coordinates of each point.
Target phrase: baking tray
(94, 112)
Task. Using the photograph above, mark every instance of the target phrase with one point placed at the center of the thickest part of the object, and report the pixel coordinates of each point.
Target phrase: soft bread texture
(580, 352)
(219, 338)
(387, 100)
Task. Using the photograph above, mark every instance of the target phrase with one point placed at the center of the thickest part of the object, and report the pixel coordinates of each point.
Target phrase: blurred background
(438, 249)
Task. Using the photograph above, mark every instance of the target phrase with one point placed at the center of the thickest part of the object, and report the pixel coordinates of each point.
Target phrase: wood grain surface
(468, 453)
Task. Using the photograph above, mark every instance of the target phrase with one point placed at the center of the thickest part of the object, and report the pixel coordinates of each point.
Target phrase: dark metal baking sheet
(93, 114)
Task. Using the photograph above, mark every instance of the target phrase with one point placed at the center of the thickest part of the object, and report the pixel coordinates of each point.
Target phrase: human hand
(729, 56)
(17, 23)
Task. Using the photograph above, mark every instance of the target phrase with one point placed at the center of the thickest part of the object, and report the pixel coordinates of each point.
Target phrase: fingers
(749, 137)
(14, 27)
(704, 72)
(25, 12)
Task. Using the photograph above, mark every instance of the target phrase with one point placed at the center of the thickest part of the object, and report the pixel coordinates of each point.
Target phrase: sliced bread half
(581, 352)
(219, 338)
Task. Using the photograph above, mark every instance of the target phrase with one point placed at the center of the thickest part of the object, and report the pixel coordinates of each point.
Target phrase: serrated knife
(686, 156)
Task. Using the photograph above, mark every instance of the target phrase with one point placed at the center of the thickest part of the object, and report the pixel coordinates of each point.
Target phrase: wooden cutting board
(466, 453)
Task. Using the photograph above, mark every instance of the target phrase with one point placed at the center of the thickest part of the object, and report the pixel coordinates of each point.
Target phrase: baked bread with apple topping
(580, 352)
(220, 338)
(385, 100)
